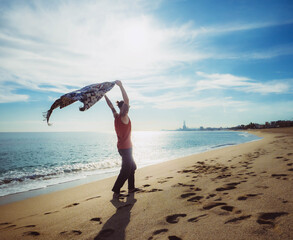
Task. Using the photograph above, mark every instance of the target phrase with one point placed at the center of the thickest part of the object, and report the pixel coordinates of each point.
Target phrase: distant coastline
(187, 129)
(198, 129)
(272, 124)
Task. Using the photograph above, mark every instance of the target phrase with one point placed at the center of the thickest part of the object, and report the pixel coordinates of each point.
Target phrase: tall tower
(184, 126)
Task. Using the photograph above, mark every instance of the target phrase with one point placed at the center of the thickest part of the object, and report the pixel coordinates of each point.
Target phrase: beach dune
(237, 192)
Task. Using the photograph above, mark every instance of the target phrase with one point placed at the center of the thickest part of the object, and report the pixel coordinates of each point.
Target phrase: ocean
(30, 161)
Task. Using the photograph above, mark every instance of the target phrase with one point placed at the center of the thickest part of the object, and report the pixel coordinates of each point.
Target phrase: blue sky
(210, 63)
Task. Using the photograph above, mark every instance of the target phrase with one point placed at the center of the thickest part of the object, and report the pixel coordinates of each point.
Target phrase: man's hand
(118, 82)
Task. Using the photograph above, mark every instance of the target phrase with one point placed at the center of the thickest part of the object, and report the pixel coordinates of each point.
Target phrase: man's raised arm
(124, 94)
(111, 106)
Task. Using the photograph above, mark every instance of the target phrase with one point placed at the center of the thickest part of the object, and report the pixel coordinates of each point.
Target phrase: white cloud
(7, 96)
(76, 43)
(182, 99)
(244, 84)
(173, 93)
(271, 52)
(234, 27)
(55, 45)
(201, 104)
(220, 81)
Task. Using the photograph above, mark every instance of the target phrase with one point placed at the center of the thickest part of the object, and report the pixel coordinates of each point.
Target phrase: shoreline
(19, 196)
(237, 192)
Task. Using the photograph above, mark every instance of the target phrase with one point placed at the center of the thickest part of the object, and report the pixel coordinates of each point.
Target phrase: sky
(207, 62)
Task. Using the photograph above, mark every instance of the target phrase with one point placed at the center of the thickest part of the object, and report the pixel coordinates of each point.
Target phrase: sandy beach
(237, 192)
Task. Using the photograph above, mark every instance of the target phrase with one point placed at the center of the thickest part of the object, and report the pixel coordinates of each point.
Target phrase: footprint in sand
(174, 238)
(263, 187)
(10, 226)
(195, 199)
(236, 220)
(165, 180)
(196, 219)
(243, 198)
(175, 218)
(278, 176)
(47, 213)
(186, 195)
(157, 232)
(150, 191)
(93, 198)
(160, 231)
(73, 232)
(76, 232)
(228, 208)
(72, 205)
(269, 218)
(155, 190)
(31, 233)
(183, 185)
(211, 195)
(251, 174)
(186, 171)
(28, 226)
(223, 176)
(213, 204)
(97, 219)
(162, 181)
(228, 186)
(148, 177)
(5, 224)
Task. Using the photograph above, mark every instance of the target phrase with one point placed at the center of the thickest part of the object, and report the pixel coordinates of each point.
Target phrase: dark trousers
(127, 170)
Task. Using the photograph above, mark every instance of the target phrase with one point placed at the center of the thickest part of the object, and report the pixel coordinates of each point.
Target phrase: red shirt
(123, 132)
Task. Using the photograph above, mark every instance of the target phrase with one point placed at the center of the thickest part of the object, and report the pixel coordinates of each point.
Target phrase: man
(124, 144)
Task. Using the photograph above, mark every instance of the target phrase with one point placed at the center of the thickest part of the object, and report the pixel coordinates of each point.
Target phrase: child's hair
(120, 103)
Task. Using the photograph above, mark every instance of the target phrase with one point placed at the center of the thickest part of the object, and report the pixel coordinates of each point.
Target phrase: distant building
(184, 126)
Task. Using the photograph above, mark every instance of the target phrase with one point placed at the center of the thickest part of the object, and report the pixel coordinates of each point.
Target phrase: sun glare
(136, 37)
(145, 138)
(139, 39)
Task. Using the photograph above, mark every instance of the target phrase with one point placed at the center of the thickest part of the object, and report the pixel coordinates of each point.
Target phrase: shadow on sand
(115, 227)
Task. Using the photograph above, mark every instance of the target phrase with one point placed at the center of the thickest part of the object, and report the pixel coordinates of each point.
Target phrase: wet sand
(237, 192)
